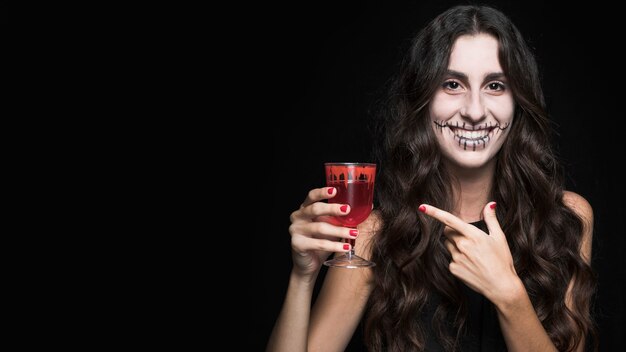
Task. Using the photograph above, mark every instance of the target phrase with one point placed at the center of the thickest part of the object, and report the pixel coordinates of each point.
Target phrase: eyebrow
(489, 77)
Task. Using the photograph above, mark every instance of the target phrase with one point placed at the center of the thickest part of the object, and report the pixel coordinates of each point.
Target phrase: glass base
(349, 262)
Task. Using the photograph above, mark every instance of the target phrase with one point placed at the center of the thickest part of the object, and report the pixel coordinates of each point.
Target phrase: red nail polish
(492, 206)
(346, 246)
(422, 208)
(354, 232)
(330, 190)
(344, 208)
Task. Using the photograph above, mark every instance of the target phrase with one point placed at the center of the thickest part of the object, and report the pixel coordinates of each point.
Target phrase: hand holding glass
(354, 184)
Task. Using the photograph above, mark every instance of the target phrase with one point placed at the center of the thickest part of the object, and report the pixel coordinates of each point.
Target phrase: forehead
(475, 53)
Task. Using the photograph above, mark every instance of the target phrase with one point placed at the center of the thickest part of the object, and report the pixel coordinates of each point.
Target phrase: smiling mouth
(471, 136)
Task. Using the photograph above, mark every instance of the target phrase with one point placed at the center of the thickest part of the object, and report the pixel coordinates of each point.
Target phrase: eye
(496, 86)
(451, 85)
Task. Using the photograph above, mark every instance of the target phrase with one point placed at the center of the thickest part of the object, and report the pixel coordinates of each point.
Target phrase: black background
(308, 79)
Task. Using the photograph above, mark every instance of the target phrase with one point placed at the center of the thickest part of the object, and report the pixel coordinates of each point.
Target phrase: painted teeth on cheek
(474, 136)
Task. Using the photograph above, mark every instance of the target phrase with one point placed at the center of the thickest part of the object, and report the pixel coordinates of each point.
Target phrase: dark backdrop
(311, 74)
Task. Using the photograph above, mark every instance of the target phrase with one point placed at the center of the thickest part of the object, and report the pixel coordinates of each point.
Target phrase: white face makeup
(473, 108)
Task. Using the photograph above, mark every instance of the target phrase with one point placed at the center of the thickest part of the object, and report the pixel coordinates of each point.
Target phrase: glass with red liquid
(354, 184)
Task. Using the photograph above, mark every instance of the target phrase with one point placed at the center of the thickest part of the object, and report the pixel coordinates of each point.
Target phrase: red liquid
(359, 195)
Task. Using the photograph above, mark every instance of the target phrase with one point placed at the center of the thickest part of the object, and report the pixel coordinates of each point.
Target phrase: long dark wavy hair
(544, 235)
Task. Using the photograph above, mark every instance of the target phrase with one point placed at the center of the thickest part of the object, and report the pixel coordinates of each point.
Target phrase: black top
(482, 332)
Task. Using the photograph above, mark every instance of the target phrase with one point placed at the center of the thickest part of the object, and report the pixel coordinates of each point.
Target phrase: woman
(477, 244)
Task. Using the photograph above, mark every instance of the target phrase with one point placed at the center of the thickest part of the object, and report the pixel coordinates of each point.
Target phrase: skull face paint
(472, 137)
(473, 108)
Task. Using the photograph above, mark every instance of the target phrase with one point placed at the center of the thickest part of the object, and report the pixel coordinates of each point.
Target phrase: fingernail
(344, 208)
(492, 205)
(422, 208)
(346, 246)
(330, 190)
(354, 232)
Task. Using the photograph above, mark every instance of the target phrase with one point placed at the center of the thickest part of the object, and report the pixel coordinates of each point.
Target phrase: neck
(471, 191)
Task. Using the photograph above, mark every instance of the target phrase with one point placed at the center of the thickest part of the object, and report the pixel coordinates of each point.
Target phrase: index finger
(318, 194)
(448, 219)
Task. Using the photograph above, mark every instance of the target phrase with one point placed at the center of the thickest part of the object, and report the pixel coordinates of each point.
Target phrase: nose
(473, 109)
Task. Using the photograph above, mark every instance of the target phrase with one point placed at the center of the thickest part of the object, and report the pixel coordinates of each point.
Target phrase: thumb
(489, 214)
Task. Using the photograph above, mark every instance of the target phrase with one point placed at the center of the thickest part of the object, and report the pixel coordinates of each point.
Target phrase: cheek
(443, 107)
(502, 109)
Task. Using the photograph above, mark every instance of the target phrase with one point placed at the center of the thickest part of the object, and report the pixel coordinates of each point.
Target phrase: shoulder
(579, 205)
(367, 231)
(372, 224)
(583, 209)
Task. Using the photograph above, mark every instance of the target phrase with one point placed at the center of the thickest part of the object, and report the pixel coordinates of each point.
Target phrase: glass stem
(352, 242)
